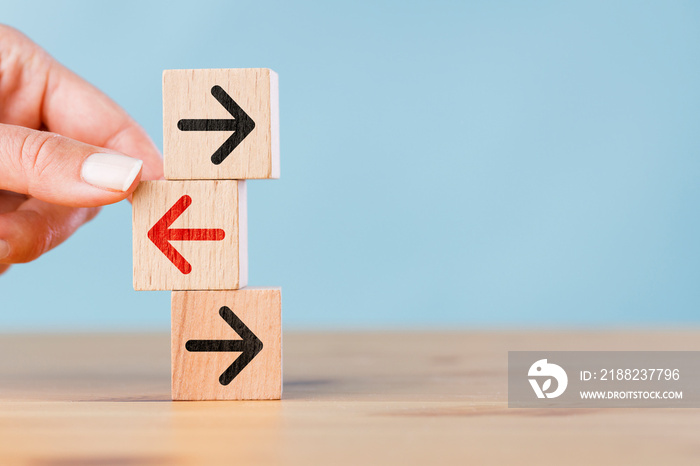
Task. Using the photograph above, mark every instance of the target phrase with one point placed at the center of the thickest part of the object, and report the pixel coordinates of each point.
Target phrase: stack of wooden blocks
(220, 128)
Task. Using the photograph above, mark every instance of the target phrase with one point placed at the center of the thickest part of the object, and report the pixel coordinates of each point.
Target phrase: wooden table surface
(349, 398)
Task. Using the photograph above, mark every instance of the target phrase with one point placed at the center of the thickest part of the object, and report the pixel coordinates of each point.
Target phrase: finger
(37, 227)
(63, 171)
(3, 268)
(76, 109)
(37, 90)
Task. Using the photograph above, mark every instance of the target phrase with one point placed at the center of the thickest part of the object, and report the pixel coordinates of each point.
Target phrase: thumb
(63, 171)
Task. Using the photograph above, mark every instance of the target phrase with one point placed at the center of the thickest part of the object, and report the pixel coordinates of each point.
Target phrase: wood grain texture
(187, 94)
(214, 264)
(409, 398)
(195, 316)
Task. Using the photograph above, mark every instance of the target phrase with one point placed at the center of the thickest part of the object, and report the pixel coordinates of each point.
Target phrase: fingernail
(110, 171)
(4, 249)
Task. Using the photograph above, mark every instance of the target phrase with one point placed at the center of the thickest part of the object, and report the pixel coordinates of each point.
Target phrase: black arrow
(249, 346)
(241, 125)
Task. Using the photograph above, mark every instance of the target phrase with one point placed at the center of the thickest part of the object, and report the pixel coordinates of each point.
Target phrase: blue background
(443, 163)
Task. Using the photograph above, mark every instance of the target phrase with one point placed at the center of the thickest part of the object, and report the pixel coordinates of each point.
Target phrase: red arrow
(161, 234)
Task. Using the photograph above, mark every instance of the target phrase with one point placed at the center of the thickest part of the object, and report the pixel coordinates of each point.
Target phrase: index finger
(36, 89)
(76, 109)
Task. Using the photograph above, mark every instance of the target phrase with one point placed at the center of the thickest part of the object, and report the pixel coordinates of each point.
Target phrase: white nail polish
(110, 171)
(4, 249)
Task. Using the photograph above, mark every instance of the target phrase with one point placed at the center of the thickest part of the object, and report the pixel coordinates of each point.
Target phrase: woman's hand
(62, 151)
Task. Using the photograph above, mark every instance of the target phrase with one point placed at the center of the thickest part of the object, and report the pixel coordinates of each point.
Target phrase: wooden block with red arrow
(190, 235)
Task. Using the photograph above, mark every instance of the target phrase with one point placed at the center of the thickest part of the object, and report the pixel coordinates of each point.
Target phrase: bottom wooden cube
(227, 345)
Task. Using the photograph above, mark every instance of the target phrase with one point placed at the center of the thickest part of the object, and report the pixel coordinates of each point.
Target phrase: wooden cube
(227, 345)
(190, 235)
(220, 124)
